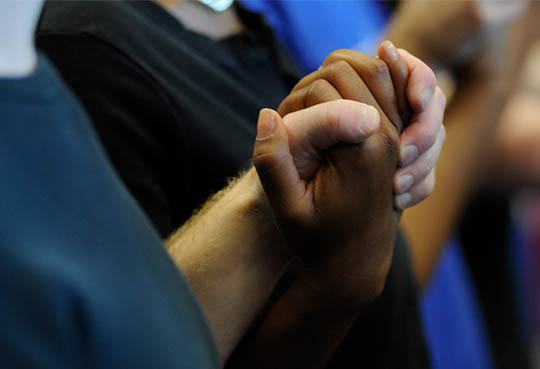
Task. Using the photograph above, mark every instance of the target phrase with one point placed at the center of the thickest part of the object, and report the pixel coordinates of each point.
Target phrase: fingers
(359, 77)
(407, 178)
(421, 135)
(400, 77)
(417, 193)
(318, 92)
(422, 82)
(376, 75)
(274, 164)
(304, 135)
(422, 141)
(343, 78)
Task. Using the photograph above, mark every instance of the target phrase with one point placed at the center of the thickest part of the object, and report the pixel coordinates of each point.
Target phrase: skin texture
(424, 133)
(250, 248)
(346, 287)
(231, 251)
(330, 177)
(343, 222)
(344, 207)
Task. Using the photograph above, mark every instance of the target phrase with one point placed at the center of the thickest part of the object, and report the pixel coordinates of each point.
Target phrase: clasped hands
(336, 172)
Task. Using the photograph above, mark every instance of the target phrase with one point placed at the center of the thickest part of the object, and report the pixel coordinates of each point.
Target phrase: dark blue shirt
(84, 279)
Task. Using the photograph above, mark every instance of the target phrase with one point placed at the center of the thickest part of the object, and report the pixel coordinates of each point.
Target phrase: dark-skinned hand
(337, 212)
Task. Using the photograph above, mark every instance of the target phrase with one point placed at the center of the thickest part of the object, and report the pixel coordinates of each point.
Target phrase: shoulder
(133, 115)
(90, 16)
(125, 24)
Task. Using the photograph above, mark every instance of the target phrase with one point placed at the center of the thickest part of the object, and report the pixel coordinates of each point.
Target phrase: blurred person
(170, 101)
(480, 215)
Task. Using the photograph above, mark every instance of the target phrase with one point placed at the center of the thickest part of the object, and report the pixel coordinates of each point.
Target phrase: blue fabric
(454, 327)
(84, 279)
(522, 265)
(313, 29)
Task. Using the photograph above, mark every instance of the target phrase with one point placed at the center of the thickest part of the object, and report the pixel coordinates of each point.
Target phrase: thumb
(275, 166)
(321, 126)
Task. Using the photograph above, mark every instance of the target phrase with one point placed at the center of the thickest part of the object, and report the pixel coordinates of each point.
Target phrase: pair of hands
(328, 166)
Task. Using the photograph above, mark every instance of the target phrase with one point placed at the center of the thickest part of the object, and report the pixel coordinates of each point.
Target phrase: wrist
(254, 206)
(330, 292)
(253, 197)
(349, 284)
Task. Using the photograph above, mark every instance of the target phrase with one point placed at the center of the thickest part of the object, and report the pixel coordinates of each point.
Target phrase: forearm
(471, 124)
(421, 38)
(470, 127)
(302, 330)
(306, 325)
(232, 255)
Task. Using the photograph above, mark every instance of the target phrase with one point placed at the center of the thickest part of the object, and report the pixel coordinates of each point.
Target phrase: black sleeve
(133, 118)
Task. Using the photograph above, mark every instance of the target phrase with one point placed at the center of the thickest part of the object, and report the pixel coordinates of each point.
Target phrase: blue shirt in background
(313, 29)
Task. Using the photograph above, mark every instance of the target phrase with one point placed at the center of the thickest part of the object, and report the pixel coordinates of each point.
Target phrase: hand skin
(193, 246)
(343, 229)
(231, 251)
(344, 202)
(422, 139)
(18, 20)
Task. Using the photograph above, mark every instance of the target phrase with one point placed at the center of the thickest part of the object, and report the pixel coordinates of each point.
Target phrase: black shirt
(177, 113)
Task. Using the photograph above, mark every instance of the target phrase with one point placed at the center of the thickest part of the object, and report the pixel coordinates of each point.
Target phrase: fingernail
(426, 97)
(371, 118)
(404, 183)
(267, 124)
(403, 201)
(408, 154)
(392, 51)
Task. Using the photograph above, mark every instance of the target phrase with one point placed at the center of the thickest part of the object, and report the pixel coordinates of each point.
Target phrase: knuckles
(339, 68)
(377, 69)
(316, 92)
